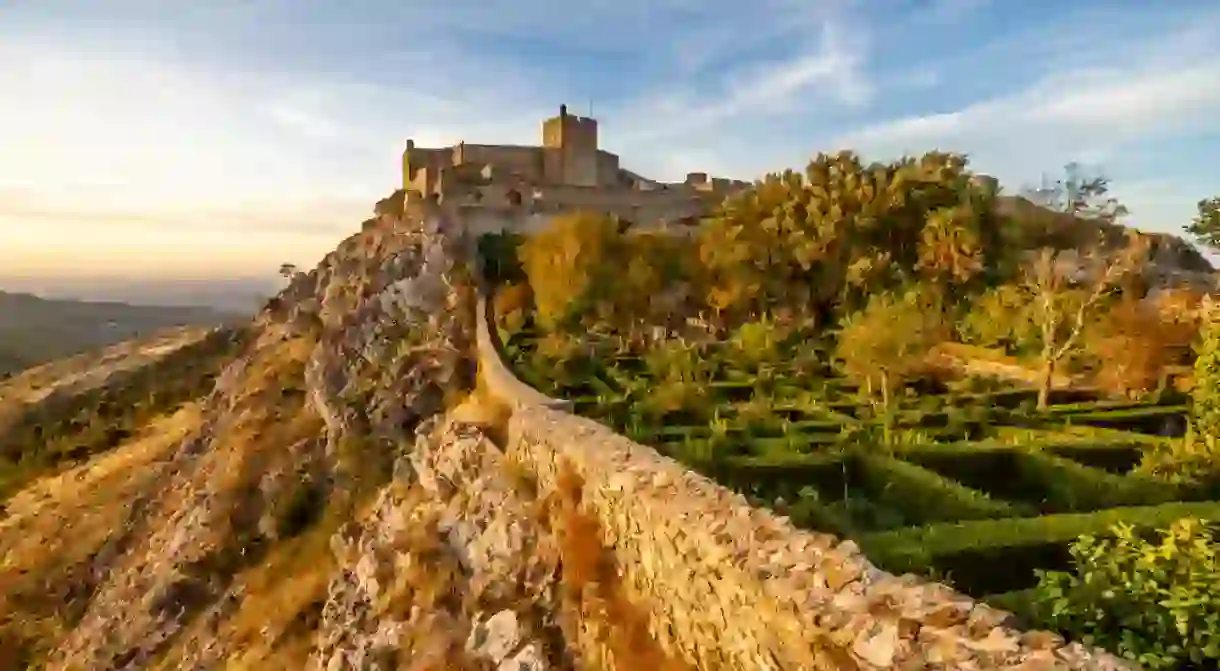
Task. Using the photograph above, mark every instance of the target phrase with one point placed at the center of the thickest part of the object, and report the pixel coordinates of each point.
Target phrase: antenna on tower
(590, 108)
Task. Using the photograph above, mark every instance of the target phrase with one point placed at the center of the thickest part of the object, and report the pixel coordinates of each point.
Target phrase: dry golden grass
(56, 526)
(484, 410)
(273, 626)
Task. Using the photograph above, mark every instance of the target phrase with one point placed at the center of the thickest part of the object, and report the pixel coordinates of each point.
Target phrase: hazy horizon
(241, 294)
(155, 144)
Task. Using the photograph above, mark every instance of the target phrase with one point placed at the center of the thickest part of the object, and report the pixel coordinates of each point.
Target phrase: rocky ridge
(343, 498)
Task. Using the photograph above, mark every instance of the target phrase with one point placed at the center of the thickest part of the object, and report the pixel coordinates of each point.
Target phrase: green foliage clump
(1205, 228)
(1154, 602)
(1002, 318)
(889, 339)
(501, 258)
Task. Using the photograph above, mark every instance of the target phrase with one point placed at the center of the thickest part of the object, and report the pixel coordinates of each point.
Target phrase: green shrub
(990, 556)
(1155, 602)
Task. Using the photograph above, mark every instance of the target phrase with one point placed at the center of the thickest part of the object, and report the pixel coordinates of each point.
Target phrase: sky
(201, 140)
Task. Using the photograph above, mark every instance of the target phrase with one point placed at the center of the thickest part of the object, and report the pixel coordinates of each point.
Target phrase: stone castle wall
(730, 586)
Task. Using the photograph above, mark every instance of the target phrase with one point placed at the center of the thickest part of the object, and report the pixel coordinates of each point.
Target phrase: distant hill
(34, 329)
(1046, 228)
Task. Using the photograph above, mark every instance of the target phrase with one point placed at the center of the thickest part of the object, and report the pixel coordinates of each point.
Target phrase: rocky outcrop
(342, 369)
(449, 569)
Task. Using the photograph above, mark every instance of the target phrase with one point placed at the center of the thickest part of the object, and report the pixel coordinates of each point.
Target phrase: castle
(523, 187)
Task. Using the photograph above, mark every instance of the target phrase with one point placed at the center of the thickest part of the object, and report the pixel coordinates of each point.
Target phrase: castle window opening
(514, 197)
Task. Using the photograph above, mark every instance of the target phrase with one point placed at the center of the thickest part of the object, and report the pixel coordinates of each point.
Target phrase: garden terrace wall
(729, 586)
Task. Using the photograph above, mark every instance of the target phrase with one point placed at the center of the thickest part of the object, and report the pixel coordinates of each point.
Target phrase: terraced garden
(978, 489)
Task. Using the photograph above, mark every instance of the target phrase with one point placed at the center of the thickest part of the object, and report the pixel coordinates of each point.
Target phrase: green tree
(1001, 318)
(825, 240)
(1078, 194)
(1205, 228)
(887, 342)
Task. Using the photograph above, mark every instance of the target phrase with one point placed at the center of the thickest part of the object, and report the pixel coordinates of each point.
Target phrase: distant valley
(34, 330)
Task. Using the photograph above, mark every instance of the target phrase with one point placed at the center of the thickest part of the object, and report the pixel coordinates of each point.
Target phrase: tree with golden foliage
(888, 341)
(1138, 342)
(830, 237)
(571, 266)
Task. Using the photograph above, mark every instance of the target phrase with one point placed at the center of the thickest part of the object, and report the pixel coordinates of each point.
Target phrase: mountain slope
(211, 509)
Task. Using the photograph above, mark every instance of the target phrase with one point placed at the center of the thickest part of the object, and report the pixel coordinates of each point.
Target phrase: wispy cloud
(142, 124)
(1093, 115)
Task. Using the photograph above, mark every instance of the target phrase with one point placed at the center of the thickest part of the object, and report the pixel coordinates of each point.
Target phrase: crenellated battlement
(568, 171)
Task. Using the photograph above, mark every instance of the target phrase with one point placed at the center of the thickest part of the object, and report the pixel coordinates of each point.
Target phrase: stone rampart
(729, 586)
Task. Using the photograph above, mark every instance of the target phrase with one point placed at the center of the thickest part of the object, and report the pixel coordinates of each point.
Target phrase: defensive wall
(729, 586)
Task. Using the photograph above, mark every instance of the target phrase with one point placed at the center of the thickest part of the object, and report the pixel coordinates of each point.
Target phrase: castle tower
(571, 149)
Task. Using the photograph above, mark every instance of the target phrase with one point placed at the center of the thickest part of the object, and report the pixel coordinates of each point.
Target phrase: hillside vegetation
(964, 385)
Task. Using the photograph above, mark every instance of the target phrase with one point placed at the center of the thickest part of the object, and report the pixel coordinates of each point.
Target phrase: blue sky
(205, 139)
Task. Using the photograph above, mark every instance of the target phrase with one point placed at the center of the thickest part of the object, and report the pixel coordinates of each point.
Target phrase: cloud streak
(139, 124)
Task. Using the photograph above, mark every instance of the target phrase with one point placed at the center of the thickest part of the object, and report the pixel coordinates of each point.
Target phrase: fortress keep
(524, 186)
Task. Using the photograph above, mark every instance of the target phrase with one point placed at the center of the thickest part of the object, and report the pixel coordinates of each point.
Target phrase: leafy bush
(1155, 602)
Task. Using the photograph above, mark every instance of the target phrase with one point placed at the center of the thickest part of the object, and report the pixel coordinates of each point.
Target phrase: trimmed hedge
(1113, 457)
(771, 477)
(1039, 477)
(1146, 419)
(755, 429)
(924, 495)
(1073, 487)
(1018, 602)
(812, 514)
(992, 556)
